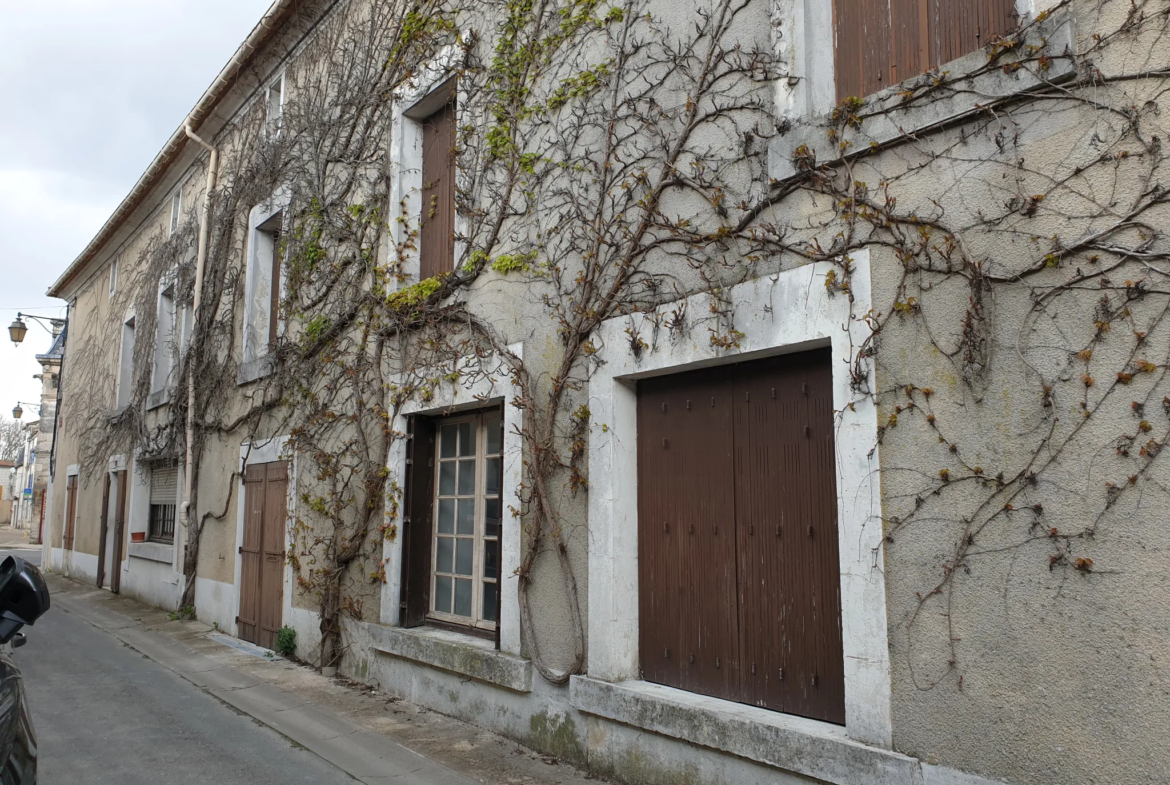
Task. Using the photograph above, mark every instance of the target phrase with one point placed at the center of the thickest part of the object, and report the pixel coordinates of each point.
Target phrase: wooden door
(119, 532)
(103, 533)
(739, 584)
(70, 513)
(686, 535)
(272, 561)
(263, 553)
(250, 552)
(786, 527)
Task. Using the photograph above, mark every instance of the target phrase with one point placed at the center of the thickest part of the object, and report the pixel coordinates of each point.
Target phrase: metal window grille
(162, 522)
(164, 492)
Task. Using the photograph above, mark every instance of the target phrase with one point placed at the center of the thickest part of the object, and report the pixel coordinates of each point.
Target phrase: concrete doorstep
(370, 736)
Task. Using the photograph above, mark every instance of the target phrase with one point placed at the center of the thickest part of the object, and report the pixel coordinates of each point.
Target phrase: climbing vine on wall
(613, 161)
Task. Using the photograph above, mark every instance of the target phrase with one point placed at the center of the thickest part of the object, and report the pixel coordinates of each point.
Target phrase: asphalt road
(105, 714)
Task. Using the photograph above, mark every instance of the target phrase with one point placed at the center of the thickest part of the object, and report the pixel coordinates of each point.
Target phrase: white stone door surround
(787, 312)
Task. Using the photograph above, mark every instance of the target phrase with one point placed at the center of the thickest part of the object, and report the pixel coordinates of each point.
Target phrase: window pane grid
(467, 521)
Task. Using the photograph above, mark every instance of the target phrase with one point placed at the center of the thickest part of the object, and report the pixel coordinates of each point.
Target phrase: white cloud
(89, 93)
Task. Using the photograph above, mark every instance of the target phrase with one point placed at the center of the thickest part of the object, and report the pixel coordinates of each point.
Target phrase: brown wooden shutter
(418, 505)
(437, 240)
(70, 512)
(274, 303)
(500, 542)
(883, 42)
(688, 627)
(119, 531)
(739, 580)
(248, 620)
(272, 560)
(786, 527)
(101, 570)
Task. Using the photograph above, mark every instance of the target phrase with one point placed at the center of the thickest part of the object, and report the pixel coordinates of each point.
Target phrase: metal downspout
(200, 262)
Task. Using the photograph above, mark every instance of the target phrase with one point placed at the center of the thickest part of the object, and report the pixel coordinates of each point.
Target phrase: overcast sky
(90, 90)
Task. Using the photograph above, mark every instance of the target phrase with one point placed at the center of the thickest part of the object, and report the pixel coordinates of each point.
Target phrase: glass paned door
(467, 520)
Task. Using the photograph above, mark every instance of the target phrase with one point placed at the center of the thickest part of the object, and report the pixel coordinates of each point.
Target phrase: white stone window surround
(72, 470)
(788, 312)
(116, 464)
(258, 288)
(420, 99)
(804, 40)
(166, 321)
(274, 96)
(176, 210)
(113, 277)
(138, 518)
(124, 381)
(451, 399)
(266, 451)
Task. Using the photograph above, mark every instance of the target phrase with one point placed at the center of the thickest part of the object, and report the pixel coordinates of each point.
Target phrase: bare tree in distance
(10, 438)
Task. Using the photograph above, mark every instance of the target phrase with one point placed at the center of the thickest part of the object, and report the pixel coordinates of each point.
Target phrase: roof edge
(261, 34)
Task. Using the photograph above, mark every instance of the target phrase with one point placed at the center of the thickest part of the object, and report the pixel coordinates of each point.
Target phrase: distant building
(26, 491)
(6, 473)
(32, 470)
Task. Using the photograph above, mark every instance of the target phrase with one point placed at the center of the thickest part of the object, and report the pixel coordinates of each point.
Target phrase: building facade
(724, 392)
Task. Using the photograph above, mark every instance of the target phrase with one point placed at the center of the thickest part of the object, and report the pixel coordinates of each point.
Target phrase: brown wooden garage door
(262, 552)
(737, 535)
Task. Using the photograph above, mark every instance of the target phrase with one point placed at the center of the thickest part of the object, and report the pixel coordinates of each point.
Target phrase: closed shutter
(251, 553)
(272, 562)
(437, 240)
(417, 523)
(70, 512)
(739, 576)
(883, 42)
(164, 485)
(786, 527)
(689, 635)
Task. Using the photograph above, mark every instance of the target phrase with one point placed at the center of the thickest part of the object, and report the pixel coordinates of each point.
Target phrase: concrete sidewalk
(371, 737)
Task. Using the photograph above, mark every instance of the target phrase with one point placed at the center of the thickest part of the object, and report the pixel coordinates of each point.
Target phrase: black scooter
(24, 598)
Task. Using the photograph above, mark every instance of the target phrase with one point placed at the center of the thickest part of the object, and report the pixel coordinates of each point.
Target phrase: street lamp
(18, 412)
(18, 329)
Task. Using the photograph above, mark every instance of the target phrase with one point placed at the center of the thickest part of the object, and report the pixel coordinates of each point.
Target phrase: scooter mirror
(24, 596)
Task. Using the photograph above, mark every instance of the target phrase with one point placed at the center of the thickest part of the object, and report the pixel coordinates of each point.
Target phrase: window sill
(795, 744)
(465, 655)
(889, 115)
(157, 399)
(153, 551)
(254, 370)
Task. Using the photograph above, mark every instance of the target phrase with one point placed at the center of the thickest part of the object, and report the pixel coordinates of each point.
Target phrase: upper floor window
(262, 308)
(274, 106)
(882, 44)
(113, 277)
(176, 211)
(437, 230)
(126, 365)
(164, 345)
